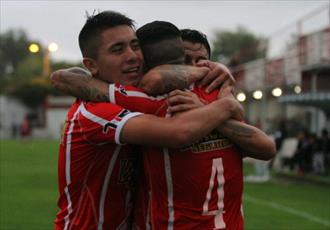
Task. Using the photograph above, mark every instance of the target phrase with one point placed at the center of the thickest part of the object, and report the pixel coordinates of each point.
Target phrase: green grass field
(28, 193)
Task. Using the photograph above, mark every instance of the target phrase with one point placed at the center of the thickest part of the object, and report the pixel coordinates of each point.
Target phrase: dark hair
(155, 31)
(89, 36)
(195, 36)
(161, 43)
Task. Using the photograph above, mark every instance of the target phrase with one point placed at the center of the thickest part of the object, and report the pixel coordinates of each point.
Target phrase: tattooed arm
(254, 142)
(79, 83)
(165, 78)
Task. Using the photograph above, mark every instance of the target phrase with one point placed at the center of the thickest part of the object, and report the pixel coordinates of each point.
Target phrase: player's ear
(91, 65)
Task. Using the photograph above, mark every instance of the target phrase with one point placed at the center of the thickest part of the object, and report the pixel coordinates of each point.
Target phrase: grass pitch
(28, 194)
(28, 184)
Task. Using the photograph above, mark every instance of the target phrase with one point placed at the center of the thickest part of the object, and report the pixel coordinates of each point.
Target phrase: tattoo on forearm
(240, 131)
(82, 89)
(92, 94)
(175, 77)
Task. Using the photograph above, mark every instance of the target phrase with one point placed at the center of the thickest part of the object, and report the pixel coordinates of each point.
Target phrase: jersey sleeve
(208, 97)
(135, 99)
(103, 122)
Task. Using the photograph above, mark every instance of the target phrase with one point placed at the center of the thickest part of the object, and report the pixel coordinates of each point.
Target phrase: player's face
(119, 59)
(194, 52)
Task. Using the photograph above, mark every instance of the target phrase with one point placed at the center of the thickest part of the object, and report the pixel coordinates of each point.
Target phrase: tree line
(21, 71)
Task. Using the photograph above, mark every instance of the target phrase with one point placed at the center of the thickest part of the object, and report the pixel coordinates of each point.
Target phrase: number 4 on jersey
(216, 174)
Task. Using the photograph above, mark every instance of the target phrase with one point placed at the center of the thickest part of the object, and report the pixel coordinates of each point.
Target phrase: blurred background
(278, 51)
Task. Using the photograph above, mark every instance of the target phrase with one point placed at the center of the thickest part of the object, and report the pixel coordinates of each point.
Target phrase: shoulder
(97, 111)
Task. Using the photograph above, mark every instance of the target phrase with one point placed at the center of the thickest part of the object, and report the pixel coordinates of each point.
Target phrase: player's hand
(219, 76)
(227, 92)
(179, 101)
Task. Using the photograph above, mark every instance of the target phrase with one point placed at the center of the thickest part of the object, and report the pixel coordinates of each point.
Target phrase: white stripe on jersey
(103, 122)
(131, 93)
(148, 227)
(69, 208)
(111, 92)
(105, 187)
(67, 168)
(169, 183)
(242, 211)
(95, 118)
(128, 209)
(143, 95)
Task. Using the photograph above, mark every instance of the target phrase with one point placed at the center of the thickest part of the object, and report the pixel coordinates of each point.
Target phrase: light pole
(52, 47)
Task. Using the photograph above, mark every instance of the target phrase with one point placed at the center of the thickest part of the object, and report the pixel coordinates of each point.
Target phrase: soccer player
(197, 52)
(183, 189)
(94, 168)
(200, 186)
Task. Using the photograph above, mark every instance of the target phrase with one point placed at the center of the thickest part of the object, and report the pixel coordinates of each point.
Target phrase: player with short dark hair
(151, 35)
(197, 37)
(196, 46)
(90, 34)
(196, 187)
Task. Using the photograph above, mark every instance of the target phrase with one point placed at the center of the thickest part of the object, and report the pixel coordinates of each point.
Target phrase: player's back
(197, 187)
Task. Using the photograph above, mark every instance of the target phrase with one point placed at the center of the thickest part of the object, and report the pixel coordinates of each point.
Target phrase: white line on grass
(288, 210)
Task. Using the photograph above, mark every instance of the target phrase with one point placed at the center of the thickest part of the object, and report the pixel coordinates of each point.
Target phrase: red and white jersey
(197, 187)
(94, 169)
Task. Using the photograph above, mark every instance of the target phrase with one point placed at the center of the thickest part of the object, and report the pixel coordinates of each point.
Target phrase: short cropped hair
(155, 31)
(195, 36)
(159, 45)
(90, 34)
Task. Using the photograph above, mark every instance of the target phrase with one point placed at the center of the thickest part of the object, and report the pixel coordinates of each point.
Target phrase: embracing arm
(180, 130)
(165, 78)
(79, 83)
(252, 140)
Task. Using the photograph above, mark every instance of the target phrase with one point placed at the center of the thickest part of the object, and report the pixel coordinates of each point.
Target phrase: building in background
(294, 87)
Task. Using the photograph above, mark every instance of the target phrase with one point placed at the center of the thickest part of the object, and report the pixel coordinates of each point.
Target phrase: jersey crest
(212, 142)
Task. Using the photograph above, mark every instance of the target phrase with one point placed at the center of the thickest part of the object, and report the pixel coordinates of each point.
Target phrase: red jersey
(94, 169)
(197, 187)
